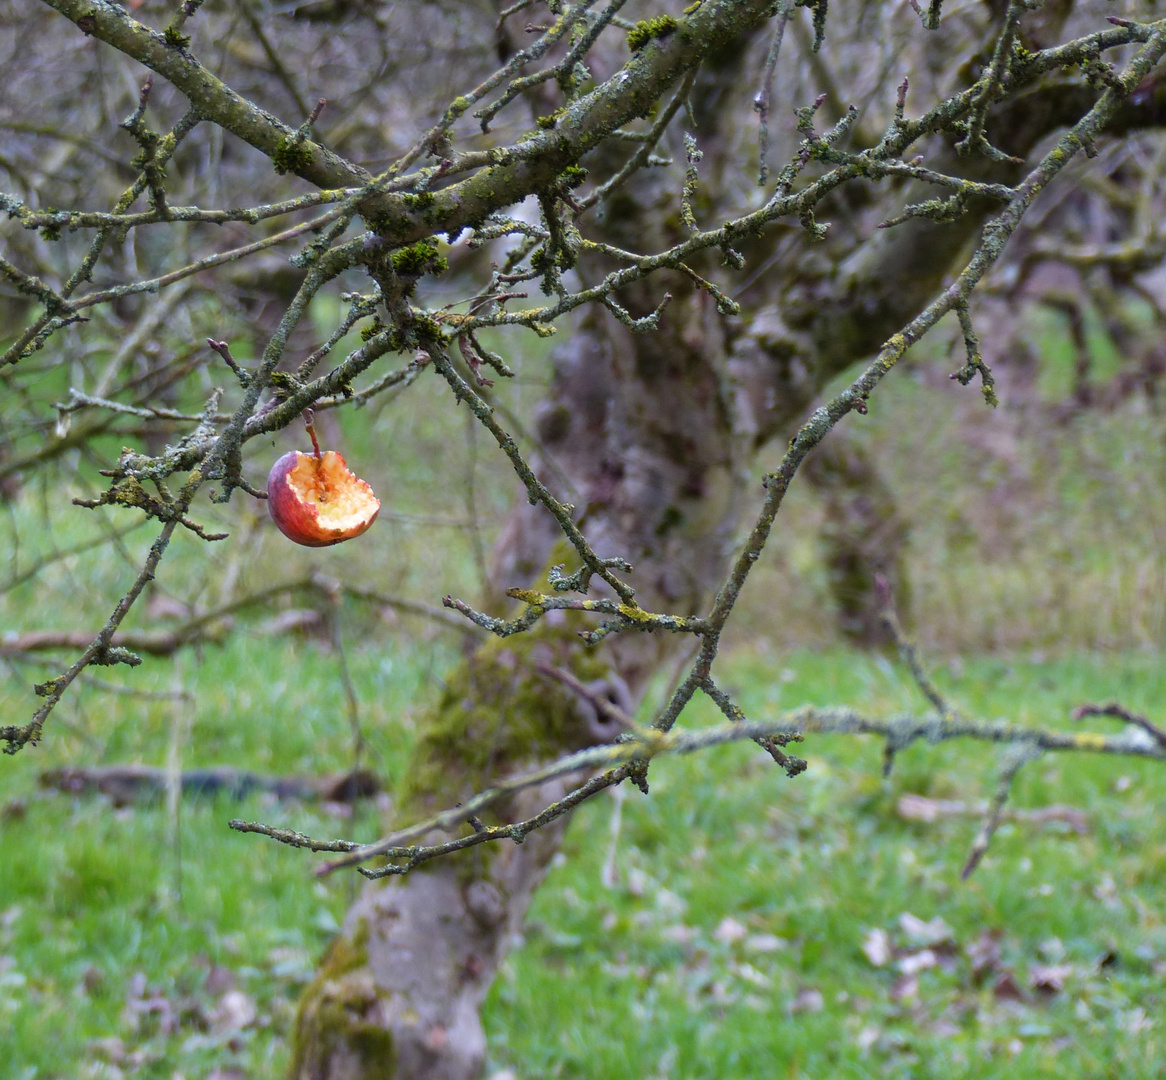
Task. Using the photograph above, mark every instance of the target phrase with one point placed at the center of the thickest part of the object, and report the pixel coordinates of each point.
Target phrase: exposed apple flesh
(318, 501)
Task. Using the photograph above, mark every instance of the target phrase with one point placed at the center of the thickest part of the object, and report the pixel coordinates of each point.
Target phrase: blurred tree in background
(726, 223)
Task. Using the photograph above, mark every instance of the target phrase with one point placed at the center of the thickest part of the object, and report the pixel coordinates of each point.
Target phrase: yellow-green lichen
(572, 176)
(549, 121)
(291, 155)
(371, 331)
(647, 29)
(419, 258)
(635, 614)
(418, 200)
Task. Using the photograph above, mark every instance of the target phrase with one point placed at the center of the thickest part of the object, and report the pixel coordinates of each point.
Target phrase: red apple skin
(298, 518)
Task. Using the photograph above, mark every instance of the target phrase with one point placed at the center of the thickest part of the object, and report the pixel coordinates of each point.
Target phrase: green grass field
(736, 923)
(727, 941)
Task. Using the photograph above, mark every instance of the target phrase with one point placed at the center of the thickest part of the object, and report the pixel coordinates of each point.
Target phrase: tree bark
(862, 535)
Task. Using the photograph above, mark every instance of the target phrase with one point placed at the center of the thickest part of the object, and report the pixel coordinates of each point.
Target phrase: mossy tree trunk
(399, 990)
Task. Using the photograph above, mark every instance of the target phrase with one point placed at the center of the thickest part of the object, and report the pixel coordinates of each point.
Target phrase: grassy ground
(725, 938)
(736, 923)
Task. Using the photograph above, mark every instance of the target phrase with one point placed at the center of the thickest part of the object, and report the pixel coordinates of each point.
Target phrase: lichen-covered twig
(1012, 761)
(636, 747)
(623, 616)
(1121, 713)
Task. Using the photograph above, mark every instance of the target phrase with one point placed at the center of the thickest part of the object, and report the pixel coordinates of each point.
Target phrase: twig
(639, 749)
(636, 748)
(763, 97)
(1014, 759)
(908, 653)
(1122, 713)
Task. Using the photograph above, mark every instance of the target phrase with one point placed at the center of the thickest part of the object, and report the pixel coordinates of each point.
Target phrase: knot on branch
(130, 492)
(148, 140)
(111, 655)
(975, 359)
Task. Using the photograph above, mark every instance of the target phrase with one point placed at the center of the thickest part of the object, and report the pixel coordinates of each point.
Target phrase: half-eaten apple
(316, 500)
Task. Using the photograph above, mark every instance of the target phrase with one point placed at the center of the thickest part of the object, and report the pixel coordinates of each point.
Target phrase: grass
(730, 945)
(729, 929)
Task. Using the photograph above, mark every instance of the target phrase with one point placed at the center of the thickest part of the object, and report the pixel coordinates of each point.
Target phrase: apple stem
(309, 418)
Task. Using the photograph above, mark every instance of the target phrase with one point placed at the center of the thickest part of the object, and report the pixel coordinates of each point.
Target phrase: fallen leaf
(1106, 892)
(930, 933)
(913, 963)
(1006, 988)
(905, 988)
(14, 810)
(764, 943)
(680, 934)
(751, 975)
(866, 1038)
(219, 980)
(92, 979)
(807, 1000)
(729, 931)
(111, 1049)
(1049, 978)
(234, 1012)
(984, 953)
(877, 947)
(1136, 1021)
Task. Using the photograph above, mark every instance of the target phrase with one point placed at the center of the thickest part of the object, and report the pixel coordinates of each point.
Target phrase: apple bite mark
(317, 500)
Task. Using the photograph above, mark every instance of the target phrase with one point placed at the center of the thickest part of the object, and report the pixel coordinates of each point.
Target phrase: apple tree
(717, 210)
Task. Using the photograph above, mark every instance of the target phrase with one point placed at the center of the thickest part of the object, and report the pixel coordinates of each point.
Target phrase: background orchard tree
(714, 212)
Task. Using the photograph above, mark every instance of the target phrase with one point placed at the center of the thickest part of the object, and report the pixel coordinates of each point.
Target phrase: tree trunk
(862, 535)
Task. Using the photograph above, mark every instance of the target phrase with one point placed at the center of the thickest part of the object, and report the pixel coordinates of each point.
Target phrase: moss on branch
(648, 29)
